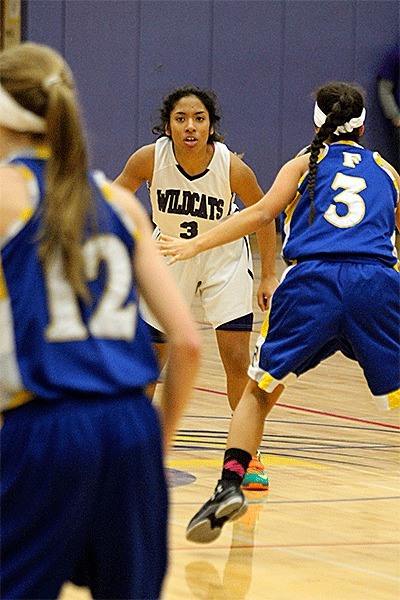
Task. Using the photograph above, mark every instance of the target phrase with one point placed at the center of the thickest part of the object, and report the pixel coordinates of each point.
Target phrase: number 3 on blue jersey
(351, 187)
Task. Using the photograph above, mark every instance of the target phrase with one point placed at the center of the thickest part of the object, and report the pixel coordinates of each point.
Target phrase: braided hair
(340, 102)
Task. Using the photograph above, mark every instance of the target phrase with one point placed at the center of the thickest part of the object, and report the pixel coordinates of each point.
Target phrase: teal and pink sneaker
(255, 477)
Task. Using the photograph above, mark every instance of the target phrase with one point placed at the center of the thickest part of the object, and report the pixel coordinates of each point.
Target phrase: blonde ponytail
(68, 198)
(40, 80)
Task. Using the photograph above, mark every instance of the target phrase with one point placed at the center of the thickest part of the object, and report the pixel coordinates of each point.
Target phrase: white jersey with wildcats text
(184, 205)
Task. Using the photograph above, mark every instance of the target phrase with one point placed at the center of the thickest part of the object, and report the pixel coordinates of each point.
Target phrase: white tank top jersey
(184, 205)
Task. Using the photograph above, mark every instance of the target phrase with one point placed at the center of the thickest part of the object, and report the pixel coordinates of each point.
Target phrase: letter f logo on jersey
(351, 160)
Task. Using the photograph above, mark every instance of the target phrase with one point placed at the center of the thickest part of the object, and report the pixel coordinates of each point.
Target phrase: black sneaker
(227, 504)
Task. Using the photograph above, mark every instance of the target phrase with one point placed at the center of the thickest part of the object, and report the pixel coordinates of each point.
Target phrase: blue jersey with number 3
(52, 344)
(355, 198)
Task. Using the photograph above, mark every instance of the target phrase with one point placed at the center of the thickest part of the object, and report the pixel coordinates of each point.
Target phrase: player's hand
(175, 248)
(268, 285)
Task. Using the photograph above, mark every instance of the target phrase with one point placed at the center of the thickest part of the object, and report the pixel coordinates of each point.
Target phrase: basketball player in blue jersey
(193, 179)
(341, 206)
(78, 501)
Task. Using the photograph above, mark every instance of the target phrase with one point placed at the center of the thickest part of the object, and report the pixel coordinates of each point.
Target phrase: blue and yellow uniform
(63, 364)
(342, 289)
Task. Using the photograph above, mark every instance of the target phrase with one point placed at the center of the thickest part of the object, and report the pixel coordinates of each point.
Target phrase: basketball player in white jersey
(192, 179)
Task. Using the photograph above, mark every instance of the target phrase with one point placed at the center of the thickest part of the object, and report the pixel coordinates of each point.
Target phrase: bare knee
(234, 351)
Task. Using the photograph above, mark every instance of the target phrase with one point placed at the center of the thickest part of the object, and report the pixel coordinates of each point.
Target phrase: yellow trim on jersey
(42, 151)
(379, 161)
(26, 214)
(20, 398)
(394, 399)
(265, 381)
(348, 143)
(3, 287)
(137, 235)
(302, 178)
(29, 177)
(289, 210)
(107, 191)
(265, 326)
(25, 172)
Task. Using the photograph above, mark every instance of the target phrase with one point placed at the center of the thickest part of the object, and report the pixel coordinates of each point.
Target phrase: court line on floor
(313, 411)
(294, 545)
(345, 565)
(319, 501)
(291, 549)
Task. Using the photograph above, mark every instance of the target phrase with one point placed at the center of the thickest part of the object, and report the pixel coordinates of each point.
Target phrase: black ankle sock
(235, 466)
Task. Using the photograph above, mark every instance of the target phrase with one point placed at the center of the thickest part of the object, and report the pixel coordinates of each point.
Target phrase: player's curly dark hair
(340, 102)
(207, 97)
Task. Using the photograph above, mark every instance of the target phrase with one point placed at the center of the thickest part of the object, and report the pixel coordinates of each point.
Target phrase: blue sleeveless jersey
(52, 345)
(355, 198)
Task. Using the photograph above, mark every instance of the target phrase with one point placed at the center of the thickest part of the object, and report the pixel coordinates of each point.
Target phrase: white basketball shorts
(223, 279)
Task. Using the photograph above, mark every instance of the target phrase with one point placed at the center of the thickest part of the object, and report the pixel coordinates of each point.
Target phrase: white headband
(17, 118)
(320, 118)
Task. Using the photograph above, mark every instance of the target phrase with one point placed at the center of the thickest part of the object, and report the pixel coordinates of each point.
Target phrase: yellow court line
(201, 437)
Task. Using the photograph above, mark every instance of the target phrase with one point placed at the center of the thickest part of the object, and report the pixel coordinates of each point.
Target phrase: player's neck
(194, 162)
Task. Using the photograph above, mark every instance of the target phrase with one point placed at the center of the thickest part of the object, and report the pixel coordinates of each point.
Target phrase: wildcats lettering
(184, 202)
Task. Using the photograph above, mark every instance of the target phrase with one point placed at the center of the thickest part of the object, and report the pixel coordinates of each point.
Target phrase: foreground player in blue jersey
(341, 210)
(78, 501)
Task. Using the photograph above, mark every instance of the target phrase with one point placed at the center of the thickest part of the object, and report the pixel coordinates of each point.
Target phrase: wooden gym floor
(329, 526)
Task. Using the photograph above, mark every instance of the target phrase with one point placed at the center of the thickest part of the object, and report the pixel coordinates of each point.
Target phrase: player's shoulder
(15, 195)
(12, 181)
(141, 162)
(237, 162)
(146, 151)
(112, 191)
(388, 168)
(124, 202)
(303, 151)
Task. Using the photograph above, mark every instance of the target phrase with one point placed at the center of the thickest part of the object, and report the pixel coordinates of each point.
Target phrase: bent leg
(228, 502)
(247, 423)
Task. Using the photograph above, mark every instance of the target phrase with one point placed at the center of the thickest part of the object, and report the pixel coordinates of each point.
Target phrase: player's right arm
(138, 169)
(247, 221)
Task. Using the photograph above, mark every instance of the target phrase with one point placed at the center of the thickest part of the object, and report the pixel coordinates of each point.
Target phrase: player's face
(189, 124)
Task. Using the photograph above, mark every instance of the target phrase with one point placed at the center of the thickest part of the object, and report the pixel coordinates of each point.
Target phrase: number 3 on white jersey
(112, 318)
(351, 187)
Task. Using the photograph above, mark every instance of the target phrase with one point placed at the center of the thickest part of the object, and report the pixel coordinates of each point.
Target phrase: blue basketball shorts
(323, 307)
(83, 498)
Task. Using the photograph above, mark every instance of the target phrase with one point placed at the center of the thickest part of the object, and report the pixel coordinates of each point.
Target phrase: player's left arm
(245, 185)
(165, 300)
